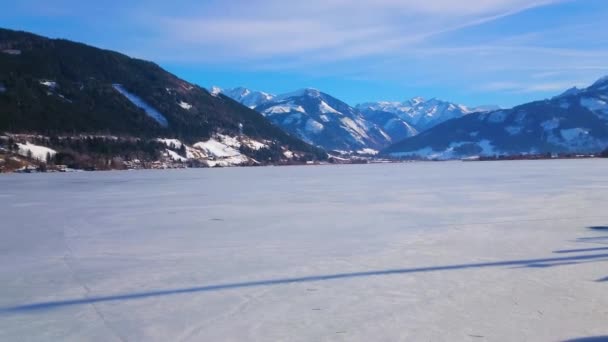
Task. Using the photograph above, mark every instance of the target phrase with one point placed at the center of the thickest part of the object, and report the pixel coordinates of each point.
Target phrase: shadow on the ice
(527, 263)
(582, 250)
(590, 339)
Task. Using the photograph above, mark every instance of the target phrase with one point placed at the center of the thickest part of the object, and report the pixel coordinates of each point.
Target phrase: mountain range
(63, 93)
(573, 122)
(325, 121)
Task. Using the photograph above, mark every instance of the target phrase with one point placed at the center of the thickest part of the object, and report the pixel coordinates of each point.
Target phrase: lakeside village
(23, 153)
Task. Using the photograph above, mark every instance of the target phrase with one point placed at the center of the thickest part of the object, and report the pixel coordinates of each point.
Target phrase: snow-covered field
(450, 251)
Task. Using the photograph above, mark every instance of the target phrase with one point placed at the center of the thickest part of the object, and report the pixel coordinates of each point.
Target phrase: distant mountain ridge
(374, 125)
(575, 121)
(421, 114)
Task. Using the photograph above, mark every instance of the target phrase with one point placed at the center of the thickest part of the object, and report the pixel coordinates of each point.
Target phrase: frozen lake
(453, 251)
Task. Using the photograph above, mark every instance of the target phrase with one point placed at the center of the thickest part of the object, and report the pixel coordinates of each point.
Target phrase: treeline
(101, 153)
(90, 153)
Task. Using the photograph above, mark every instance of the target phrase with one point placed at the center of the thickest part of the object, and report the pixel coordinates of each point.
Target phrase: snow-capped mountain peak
(417, 100)
(417, 112)
(323, 120)
(246, 96)
(310, 92)
(215, 90)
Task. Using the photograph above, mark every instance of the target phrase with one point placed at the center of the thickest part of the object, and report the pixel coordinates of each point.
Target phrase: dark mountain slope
(54, 86)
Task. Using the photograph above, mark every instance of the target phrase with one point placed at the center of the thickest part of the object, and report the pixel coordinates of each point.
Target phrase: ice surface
(446, 251)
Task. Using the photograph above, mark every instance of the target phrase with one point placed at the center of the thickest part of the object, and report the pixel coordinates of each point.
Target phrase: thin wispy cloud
(459, 50)
(268, 29)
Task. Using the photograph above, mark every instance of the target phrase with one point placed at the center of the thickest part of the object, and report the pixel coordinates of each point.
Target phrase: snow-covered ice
(451, 251)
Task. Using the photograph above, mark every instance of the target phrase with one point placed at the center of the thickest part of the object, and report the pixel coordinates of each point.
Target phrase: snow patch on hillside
(171, 143)
(35, 151)
(185, 105)
(368, 151)
(217, 149)
(284, 109)
(49, 84)
(354, 128)
(513, 130)
(137, 101)
(327, 109)
(215, 91)
(598, 106)
(572, 134)
(550, 125)
(174, 156)
(313, 126)
(254, 144)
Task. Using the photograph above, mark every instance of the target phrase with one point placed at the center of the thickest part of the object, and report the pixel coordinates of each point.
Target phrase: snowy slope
(443, 252)
(137, 101)
(247, 97)
(222, 150)
(576, 121)
(323, 120)
(418, 113)
(35, 151)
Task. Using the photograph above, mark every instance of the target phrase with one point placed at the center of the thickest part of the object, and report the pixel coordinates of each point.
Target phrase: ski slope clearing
(443, 251)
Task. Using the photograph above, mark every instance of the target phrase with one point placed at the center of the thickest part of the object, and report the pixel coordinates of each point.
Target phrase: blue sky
(503, 52)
